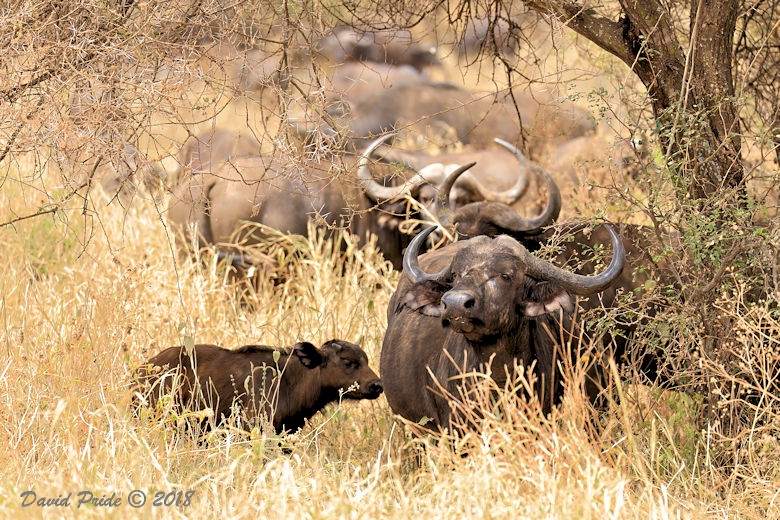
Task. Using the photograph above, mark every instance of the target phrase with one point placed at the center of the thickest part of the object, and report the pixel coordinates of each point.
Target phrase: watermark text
(85, 498)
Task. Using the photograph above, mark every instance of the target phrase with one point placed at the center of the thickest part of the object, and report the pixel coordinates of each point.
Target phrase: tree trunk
(692, 93)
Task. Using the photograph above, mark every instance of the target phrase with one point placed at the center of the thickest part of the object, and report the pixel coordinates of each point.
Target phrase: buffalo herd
(392, 146)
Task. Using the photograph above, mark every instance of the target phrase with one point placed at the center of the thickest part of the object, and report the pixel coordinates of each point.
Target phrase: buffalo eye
(350, 364)
(506, 277)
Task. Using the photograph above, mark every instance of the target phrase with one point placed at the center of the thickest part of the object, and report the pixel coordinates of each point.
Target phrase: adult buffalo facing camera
(574, 242)
(287, 386)
(479, 305)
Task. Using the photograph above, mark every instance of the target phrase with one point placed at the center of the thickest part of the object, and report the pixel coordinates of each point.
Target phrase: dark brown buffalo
(499, 175)
(284, 385)
(574, 242)
(433, 185)
(484, 304)
(394, 47)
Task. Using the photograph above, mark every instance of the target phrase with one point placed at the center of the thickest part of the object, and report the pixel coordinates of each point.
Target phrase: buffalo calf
(285, 385)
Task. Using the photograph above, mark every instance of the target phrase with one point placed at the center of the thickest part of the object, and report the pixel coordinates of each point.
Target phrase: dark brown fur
(576, 242)
(488, 314)
(246, 379)
(422, 336)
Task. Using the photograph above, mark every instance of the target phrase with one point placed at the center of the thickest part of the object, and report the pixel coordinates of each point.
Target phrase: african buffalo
(548, 120)
(479, 305)
(499, 175)
(275, 191)
(572, 242)
(207, 150)
(433, 185)
(453, 114)
(394, 47)
(284, 385)
(592, 160)
(284, 193)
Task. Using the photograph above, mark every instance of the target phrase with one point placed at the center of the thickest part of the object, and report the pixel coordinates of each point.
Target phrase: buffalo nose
(375, 387)
(459, 300)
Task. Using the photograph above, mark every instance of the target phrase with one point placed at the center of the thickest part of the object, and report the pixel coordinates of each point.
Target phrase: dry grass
(85, 300)
(77, 319)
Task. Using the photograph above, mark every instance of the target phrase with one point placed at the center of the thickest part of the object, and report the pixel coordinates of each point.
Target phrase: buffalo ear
(547, 298)
(425, 298)
(308, 354)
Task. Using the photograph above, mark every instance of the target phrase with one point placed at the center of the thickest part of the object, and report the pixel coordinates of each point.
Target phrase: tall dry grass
(86, 300)
(87, 296)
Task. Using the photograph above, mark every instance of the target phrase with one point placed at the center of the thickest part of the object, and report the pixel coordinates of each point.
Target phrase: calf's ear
(547, 298)
(308, 354)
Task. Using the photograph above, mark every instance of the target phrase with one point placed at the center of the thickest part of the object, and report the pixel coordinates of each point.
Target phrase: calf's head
(342, 365)
(492, 284)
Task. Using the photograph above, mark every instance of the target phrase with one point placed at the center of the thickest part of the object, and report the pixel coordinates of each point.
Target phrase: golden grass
(78, 318)
(85, 300)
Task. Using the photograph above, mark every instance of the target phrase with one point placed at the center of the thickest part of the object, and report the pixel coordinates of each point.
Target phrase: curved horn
(375, 190)
(512, 222)
(509, 196)
(576, 283)
(553, 207)
(443, 198)
(411, 261)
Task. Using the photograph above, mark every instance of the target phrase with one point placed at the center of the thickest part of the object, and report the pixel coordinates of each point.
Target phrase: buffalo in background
(347, 85)
(284, 193)
(393, 47)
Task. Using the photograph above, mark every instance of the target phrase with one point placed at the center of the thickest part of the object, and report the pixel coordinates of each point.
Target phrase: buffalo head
(492, 284)
(433, 185)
